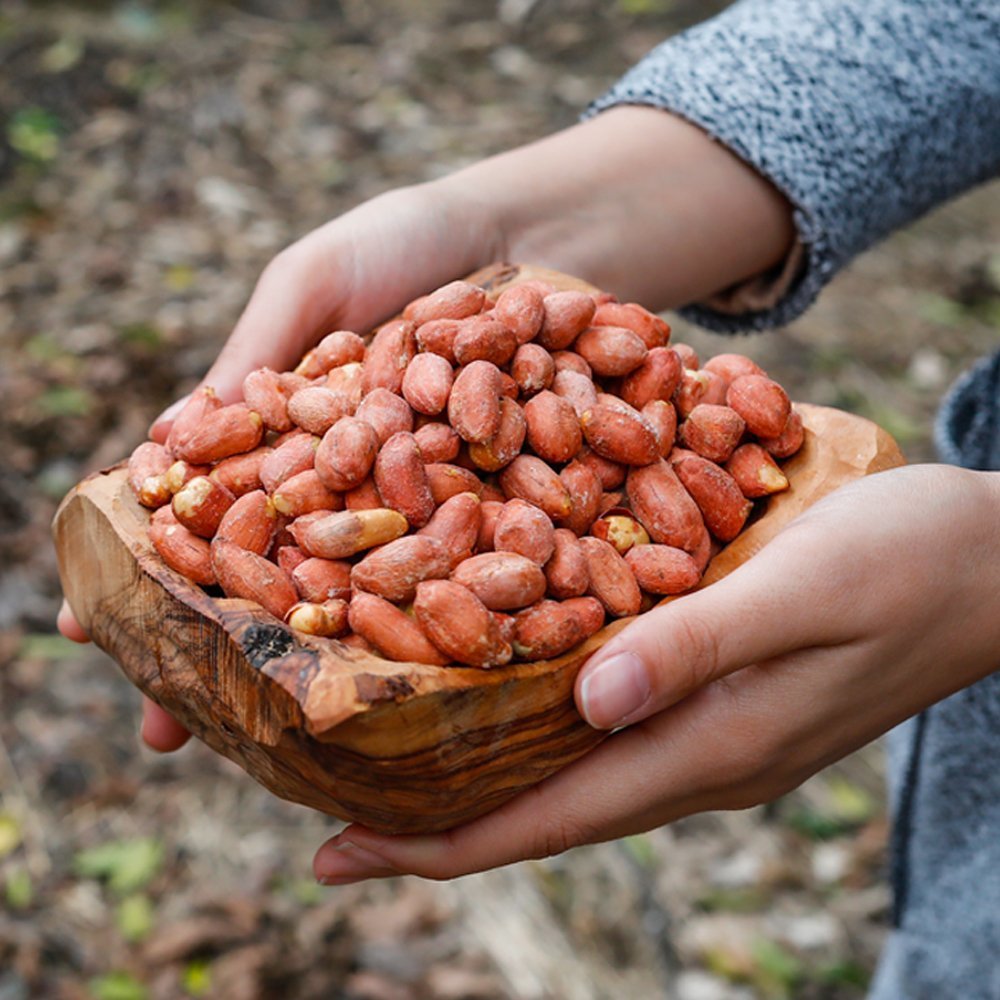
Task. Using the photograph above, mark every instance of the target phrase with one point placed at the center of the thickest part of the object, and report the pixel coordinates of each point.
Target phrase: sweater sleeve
(865, 113)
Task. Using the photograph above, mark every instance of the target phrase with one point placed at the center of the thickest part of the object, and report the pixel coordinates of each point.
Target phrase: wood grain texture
(401, 747)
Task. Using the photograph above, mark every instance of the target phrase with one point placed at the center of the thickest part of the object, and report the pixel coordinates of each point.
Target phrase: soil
(155, 156)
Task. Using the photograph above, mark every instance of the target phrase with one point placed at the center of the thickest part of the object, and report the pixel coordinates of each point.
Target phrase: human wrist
(636, 200)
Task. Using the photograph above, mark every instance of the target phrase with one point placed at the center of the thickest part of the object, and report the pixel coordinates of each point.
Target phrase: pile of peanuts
(486, 479)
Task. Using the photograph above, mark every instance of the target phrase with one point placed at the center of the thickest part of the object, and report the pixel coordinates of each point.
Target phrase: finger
(606, 794)
(68, 625)
(750, 616)
(161, 731)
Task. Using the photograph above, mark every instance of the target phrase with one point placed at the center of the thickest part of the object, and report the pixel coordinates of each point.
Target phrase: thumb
(776, 602)
(291, 306)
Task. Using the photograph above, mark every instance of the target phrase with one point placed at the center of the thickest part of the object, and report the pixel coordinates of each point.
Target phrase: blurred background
(153, 157)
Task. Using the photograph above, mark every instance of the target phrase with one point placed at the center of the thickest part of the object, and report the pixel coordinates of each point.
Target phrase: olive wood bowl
(400, 747)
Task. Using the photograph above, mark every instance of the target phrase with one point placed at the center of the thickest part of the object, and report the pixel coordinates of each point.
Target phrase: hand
(874, 604)
(663, 215)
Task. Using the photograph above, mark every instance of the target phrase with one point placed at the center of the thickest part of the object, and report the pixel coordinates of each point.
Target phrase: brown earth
(154, 157)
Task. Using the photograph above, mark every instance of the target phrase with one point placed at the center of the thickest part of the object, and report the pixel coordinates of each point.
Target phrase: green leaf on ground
(134, 917)
(34, 133)
(778, 970)
(196, 980)
(936, 308)
(47, 646)
(18, 890)
(116, 986)
(66, 401)
(10, 834)
(126, 865)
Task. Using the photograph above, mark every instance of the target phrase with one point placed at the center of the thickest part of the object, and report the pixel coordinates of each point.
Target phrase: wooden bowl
(400, 747)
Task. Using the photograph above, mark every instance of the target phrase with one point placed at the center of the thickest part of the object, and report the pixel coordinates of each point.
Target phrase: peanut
(251, 523)
(391, 631)
(295, 454)
(654, 331)
(567, 315)
(338, 348)
(662, 569)
(524, 529)
(393, 570)
(340, 535)
(474, 403)
(577, 389)
(584, 489)
(437, 442)
(200, 504)
(566, 572)
(240, 474)
(456, 300)
(484, 338)
(446, 481)
(327, 619)
(303, 493)
(657, 377)
(532, 369)
(761, 402)
(147, 468)
(459, 624)
(521, 310)
(457, 524)
(180, 549)
(505, 445)
(620, 433)
(611, 580)
(427, 383)
(316, 409)
(611, 350)
(663, 506)
(788, 442)
(553, 428)
(717, 495)
(402, 480)
(529, 478)
(438, 337)
(318, 580)
(386, 412)
(229, 430)
(345, 456)
(387, 356)
(755, 471)
(264, 393)
(503, 581)
(713, 431)
(620, 530)
(245, 574)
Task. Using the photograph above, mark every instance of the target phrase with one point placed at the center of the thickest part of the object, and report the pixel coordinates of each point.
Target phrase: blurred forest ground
(153, 157)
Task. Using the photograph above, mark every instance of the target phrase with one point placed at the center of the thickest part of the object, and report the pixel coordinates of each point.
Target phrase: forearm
(637, 201)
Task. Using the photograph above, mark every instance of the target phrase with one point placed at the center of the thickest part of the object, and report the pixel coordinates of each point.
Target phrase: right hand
(636, 201)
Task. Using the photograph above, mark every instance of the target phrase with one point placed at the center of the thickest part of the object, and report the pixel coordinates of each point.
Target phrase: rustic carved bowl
(400, 747)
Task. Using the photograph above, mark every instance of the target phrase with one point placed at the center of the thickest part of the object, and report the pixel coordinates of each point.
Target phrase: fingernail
(346, 862)
(614, 690)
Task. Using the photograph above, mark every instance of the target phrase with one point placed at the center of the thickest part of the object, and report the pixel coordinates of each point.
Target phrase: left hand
(874, 604)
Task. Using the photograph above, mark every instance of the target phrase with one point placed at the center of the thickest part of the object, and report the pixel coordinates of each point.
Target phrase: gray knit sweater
(866, 114)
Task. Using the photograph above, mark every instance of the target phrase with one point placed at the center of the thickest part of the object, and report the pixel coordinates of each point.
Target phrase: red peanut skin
(437, 442)
(719, 498)
(391, 631)
(346, 454)
(474, 403)
(688, 355)
(460, 625)
(521, 310)
(402, 480)
(316, 409)
(657, 377)
(345, 383)
(251, 523)
(489, 515)
(532, 369)
(484, 338)
(386, 412)
(438, 337)
(654, 331)
(610, 350)
(664, 508)
(761, 402)
(589, 610)
(662, 569)
(294, 454)
(620, 433)
(305, 492)
(503, 581)
(788, 442)
(318, 580)
(611, 474)
(447, 481)
(456, 300)
(523, 528)
(146, 467)
(584, 489)
(180, 549)
(264, 392)
(457, 524)
(245, 574)
(698, 387)
(577, 389)
(713, 431)
(241, 473)
(393, 570)
(427, 383)
(229, 430)
(505, 446)
(571, 361)
(567, 315)
(341, 347)
(529, 478)
(730, 367)
(566, 572)
(364, 496)
(200, 505)
(202, 402)
(290, 556)
(755, 471)
(611, 580)
(547, 629)
(662, 417)
(553, 428)
(387, 355)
